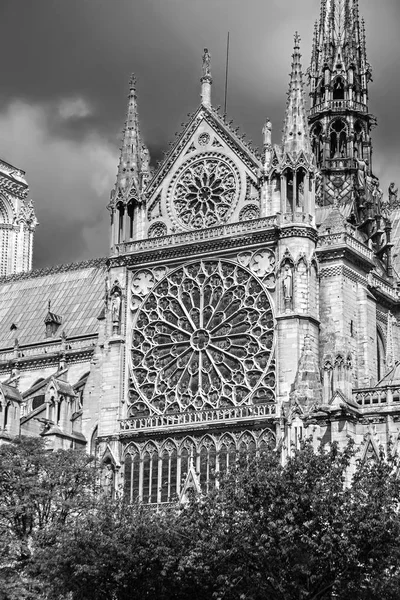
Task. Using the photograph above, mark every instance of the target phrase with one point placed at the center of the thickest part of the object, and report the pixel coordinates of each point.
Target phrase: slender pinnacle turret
(295, 131)
(129, 162)
(127, 198)
(134, 162)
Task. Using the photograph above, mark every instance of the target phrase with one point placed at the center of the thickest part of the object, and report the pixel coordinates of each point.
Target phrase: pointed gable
(207, 178)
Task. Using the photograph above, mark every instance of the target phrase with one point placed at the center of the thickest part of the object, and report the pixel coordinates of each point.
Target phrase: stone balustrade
(190, 237)
(338, 106)
(373, 397)
(218, 415)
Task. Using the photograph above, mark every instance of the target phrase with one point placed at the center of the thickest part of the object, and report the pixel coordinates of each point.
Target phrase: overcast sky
(65, 72)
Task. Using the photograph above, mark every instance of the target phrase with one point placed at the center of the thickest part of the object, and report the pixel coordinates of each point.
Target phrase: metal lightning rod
(226, 73)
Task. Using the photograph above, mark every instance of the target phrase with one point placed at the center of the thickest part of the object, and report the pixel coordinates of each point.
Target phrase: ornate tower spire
(132, 176)
(129, 158)
(295, 129)
(290, 170)
(206, 79)
(339, 120)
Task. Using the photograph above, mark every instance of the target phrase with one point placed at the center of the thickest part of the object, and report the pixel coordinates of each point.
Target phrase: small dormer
(52, 322)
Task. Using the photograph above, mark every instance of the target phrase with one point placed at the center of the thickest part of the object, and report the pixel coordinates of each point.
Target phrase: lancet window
(338, 89)
(380, 355)
(338, 139)
(131, 218)
(120, 212)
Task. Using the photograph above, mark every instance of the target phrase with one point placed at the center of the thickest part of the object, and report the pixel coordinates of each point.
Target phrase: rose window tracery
(205, 193)
(203, 338)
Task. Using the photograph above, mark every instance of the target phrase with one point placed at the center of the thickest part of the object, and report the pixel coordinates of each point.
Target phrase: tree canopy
(304, 530)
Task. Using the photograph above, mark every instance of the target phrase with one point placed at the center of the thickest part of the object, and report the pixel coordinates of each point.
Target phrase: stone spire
(295, 131)
(128, 167)
(206, 79)
(127, 198)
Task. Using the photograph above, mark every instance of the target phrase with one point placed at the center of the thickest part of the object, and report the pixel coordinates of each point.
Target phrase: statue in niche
(393, 192)
(362, 169)
(287, 286)
(300, 195)
(206, 63)
(115, 307)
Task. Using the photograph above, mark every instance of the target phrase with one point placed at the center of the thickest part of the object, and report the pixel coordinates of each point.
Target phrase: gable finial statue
(206, 79)
(206, 63)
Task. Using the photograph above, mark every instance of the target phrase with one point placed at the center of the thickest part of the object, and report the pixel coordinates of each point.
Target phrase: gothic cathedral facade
(249, 298)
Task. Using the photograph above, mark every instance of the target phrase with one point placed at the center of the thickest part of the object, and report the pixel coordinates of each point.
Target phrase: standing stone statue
(287, 285)
(206, 63)
(393, 192)
(267, 133)
(115, 307)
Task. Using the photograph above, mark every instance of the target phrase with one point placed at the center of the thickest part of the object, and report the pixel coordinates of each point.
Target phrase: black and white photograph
(200, 300)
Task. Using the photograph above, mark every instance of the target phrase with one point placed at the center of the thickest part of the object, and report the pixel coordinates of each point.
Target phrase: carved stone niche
(115, 307)
(286, 277)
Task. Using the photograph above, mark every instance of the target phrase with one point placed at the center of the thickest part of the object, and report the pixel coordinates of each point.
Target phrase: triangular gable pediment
(192, 484)
(371, 450)
(225, 136)
(207, 153)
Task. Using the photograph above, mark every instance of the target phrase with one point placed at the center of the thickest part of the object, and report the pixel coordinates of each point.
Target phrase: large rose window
(205, 193)
(203, 338)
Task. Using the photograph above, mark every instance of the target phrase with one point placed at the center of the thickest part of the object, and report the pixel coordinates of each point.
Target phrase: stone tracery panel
(204, 192)
(202, 338)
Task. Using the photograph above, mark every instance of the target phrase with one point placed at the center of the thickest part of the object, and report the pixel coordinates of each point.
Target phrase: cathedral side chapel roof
(76, 292)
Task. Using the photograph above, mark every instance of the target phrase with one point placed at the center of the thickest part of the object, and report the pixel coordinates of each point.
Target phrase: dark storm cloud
(64, 84)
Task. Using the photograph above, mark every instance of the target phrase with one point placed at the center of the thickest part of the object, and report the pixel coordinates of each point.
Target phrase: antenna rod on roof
(226, 73)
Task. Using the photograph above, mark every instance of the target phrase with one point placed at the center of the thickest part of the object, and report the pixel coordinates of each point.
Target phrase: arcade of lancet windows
(157, 471)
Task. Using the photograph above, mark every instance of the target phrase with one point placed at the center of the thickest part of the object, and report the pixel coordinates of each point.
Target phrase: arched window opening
(58, 412)
(184, 464)
(6, 415)
(51, 409)
(132, 477)
(168, 475)
(338, 139)
(121, 213)
(93, 442)
(207, 467)
(150, 476)
(338, 89)
(380, 356)
(131, 216)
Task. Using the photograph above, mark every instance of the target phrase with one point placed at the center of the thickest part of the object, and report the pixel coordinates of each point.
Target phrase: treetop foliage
(304, 530)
